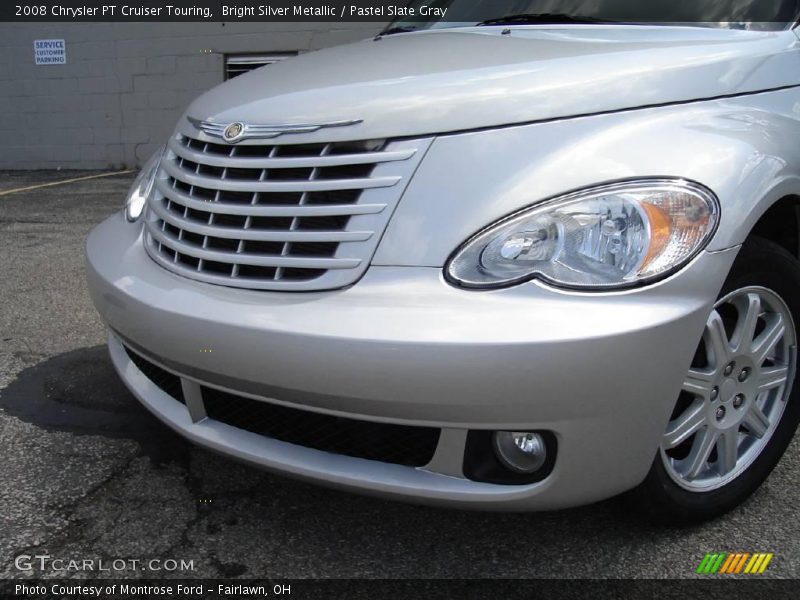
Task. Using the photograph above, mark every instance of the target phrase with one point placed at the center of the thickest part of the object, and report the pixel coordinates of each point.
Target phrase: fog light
(520, 451)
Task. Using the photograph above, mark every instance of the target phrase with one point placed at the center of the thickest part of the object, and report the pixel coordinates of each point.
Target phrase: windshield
(741, 14)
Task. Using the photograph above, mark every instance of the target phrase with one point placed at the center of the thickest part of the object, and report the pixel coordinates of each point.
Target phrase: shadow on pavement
(79, 392)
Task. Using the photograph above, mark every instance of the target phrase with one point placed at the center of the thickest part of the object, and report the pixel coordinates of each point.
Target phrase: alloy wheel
(735, 391)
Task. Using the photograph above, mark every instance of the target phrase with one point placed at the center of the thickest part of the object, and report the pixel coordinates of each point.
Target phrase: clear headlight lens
(607, 237)
(142, 187)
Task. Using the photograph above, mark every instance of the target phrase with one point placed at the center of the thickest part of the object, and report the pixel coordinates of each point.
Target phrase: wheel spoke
(771, 378)
(749, 313)
(768, 339)
(699, 383)
(756, 421)
(701, 449)
(727, 452)
(682, 428)
(716, 339)
(734, 395)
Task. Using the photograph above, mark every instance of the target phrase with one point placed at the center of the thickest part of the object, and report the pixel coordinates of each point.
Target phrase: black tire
(760, 263)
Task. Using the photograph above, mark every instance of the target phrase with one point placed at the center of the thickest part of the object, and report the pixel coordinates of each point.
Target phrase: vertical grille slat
(299, 236)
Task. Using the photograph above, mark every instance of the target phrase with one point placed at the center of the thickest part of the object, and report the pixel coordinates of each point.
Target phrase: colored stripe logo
(734, 563)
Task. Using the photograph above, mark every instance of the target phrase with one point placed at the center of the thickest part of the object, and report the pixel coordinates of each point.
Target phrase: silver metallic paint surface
(403, 346)
(744, 149)
(468, 78)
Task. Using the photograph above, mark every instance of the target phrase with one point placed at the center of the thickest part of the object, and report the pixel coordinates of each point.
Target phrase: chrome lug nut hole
(720, 414)
(714, 393)
(744, 375)
(738, 401)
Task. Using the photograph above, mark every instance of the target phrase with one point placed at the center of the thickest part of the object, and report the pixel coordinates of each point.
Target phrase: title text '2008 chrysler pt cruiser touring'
(518, 260)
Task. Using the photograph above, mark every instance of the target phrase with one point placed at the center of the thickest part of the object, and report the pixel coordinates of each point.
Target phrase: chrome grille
(293, 216)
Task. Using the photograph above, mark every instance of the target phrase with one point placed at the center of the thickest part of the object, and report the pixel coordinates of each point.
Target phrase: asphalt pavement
(86, 473)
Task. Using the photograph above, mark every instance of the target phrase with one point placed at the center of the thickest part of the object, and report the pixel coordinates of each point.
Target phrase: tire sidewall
(764, 264)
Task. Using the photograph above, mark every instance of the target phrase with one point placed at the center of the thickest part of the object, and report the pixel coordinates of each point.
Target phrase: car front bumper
(600, 371)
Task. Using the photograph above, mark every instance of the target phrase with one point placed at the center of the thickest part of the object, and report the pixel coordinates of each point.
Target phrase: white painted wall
(124, 84)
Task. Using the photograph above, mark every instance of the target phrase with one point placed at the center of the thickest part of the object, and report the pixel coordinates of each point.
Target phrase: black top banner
(413, 14)
(200, 10)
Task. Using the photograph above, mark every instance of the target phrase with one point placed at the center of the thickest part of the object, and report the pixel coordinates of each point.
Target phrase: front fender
(745, 149)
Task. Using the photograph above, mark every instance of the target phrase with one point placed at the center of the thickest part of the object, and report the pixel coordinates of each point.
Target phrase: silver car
(505, 261)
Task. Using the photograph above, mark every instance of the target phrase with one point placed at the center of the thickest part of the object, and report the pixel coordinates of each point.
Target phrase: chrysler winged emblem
(238, 131)
(233, 132)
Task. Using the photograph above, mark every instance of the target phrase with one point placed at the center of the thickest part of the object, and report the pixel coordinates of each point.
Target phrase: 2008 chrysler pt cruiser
(513, 261)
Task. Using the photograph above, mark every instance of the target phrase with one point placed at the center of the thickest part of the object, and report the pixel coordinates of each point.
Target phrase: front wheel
(738, 408)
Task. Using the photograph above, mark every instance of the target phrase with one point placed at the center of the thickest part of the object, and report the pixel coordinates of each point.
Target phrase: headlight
(606, 237)
(142, 187)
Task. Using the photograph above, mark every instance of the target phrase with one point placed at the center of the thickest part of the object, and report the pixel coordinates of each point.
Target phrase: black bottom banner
(301, 589)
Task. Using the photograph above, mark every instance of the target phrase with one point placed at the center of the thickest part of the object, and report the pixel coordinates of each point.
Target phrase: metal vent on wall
(238, 64)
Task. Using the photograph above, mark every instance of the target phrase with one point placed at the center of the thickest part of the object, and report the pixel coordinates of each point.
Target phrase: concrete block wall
(125, 84)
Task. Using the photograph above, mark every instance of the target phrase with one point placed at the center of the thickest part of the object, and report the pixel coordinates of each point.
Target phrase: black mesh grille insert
(397, 444)
(167, 382)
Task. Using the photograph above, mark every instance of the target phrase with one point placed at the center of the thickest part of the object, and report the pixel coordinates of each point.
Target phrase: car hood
(467, 78)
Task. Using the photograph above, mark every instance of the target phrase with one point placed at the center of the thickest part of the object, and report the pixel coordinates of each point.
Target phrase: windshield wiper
(393, 30)
(537, 18)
